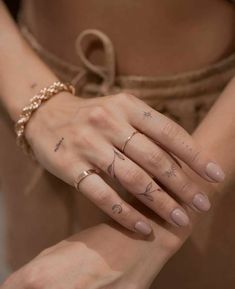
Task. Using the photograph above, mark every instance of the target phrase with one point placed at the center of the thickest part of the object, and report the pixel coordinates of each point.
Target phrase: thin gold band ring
(83, 175)
(128, 139)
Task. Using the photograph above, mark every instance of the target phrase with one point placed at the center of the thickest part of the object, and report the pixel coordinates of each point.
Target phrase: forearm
(216, 134)
(22, 73)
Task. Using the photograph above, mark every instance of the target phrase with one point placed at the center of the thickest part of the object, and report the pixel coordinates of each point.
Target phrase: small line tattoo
(58, 144)
(33, 85)
(117, 209)
(110, 168)
(148, 192)
(147, 114)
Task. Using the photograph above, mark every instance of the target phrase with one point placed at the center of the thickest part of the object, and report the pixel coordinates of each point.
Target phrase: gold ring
(127, 140)
(83, 175)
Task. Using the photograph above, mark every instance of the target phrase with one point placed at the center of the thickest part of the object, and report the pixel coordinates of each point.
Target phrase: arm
(108, 120)
(20, 69)
(24, 68)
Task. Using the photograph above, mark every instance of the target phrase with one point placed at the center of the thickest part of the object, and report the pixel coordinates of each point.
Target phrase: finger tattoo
(111, 169)
(148, 192)
(172, 171)
(147, 114)
(117, 209)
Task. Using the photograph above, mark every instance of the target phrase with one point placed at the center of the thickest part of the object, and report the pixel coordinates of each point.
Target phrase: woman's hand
(93, 259)
(70, 134)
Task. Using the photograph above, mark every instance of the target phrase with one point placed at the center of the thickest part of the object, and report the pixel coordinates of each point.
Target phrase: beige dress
(42, 210)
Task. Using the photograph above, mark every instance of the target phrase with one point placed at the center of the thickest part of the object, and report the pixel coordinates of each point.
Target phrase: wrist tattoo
(110, 168)
(148, 192)
(33, 85)
(57, 146)
(117, 209)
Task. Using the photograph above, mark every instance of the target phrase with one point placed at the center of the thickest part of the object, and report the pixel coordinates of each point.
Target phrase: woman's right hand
(69, 134)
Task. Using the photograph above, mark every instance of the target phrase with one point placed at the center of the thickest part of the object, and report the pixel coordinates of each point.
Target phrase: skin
(80, 121)
(105, 268)
(109, 120)
(156, 251)
(210, 146)
(152, 47)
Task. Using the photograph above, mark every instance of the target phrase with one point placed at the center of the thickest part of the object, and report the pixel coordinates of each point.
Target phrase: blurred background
(13, 6)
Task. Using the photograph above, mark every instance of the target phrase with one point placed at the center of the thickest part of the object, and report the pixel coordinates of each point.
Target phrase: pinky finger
(104, 197)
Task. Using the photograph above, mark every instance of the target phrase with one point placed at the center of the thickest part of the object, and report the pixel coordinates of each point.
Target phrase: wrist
(22, 73)
(46, 116)
(152, 252)
(147, 256)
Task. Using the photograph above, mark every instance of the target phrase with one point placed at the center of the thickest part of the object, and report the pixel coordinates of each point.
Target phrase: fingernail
(201, 202)
(215, 172)
(179, 217)
(143, 228)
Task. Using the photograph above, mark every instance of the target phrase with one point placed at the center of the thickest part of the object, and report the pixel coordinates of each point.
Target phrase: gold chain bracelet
(35, 102)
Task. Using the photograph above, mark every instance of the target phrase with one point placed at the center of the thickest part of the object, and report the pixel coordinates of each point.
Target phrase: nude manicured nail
(215, 172)
(201, 202)
(143, 228)
(179, 217)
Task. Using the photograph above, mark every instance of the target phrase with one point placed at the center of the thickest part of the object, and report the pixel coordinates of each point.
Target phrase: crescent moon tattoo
(117, 209)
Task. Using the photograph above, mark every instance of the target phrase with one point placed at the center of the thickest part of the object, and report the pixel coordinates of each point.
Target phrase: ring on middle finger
(128, 139)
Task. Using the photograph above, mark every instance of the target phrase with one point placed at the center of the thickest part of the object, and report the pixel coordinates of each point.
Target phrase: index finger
(173, 138)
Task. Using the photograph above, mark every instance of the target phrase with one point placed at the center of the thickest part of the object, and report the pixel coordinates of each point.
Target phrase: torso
(154, 37)
(150, 37)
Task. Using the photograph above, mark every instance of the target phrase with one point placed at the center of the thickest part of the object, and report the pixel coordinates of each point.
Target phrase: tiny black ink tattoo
(58, 144)
(147, 193)
(110, 168)
(172, 171)
(117, 209)
(33, 85)
(147, 114)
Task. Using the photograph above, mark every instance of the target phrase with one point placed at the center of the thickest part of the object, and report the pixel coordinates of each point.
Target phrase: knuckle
(84, 138)
(155, 157)
(102, 197)
(126, 216)
(172, 243)
(126, 97)
(170, 130)
(103, 118)
(133, 176)
(98, 115)
(46, 251)
(185, 188)
(196, 156)
(34, 278)
(163, 205)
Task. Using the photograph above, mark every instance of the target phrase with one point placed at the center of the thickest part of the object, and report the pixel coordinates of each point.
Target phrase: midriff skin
(153, 37)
